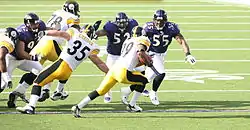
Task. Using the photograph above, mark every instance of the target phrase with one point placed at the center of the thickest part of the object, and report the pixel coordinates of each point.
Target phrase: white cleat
(26, 109)
(76, 111)
(59, 95)
(125, 92)
(108, 97)
(134, 108)
(153, 97)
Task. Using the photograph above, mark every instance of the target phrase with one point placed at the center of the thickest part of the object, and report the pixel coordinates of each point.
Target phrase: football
(145, 59)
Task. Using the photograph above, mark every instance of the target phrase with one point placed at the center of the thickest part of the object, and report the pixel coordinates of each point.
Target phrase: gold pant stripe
(58, 70)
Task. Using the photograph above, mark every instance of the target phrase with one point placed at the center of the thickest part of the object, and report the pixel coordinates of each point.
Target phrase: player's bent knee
(139, 88)
(159, 77)
(36, 90)
(28, 78)
(93, 95)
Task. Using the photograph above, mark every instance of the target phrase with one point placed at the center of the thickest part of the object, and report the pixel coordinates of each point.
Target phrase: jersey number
(54, 19)
(31, 45)
(126, 48)
(156, 39)
(77, 45)
(117, 37)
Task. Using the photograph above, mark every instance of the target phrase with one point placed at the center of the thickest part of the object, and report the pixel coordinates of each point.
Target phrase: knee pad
(28, 78)
(63, 81)
(140, 88)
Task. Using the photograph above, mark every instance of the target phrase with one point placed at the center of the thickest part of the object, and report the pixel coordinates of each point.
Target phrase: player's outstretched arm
(3, 52)
(101, 33)
(181, 40)
(56, 33)
(99, 63)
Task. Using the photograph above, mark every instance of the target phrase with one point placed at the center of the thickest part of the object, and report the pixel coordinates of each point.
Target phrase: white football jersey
(78, 48)
(65, 19)
(6, 42)
(129, 58)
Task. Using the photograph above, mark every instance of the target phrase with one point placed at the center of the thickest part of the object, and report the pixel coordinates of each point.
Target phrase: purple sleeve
(109, 27)
(42, 26)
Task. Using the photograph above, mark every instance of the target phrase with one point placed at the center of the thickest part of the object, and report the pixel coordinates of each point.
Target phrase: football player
(117, 32)
(49, 48)
(20, 58)
(160, 32)
(7, 45)
(123, 72)
(79, 48)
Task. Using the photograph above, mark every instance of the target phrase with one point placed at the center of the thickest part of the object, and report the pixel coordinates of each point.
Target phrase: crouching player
(122, 72)
(79, 48)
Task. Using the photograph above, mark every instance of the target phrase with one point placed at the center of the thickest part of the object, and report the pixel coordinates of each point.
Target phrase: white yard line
(119, 5)
(139, 17)
(186, 23)
(170, 91)
(170, 11)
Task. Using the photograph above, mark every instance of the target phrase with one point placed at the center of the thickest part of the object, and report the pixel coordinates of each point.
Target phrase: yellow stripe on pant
(59, 70)
(118, 74)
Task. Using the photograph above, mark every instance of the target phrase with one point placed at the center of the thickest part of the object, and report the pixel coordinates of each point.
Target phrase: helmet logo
(71, 6)
(13, 33)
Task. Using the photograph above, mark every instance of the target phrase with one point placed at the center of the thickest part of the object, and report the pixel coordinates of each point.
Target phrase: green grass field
(214, 94)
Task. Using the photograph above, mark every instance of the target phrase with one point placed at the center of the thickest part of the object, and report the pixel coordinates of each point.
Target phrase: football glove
(7, 79)
(190, 59)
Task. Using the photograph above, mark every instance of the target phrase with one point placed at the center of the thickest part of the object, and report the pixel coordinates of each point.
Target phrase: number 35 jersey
(65, 19)
(160, 39)
(78, 48)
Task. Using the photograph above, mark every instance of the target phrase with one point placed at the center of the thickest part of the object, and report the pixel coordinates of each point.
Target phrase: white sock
(47, 86)
(33, 100)
(60, 87)
(21, 88)
(135, 97)
(84, 102)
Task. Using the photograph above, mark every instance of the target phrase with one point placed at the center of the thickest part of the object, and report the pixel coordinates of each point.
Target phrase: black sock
(94, 94)
(157, 81)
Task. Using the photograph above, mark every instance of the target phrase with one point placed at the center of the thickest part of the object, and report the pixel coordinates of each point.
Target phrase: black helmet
(160, 18)
(71, 6)
(31, 20)
(121, 20)
(137, 31)
(12, 34)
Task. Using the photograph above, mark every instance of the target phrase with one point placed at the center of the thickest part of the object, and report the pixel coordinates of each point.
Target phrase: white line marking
(143, 11)
(209, 39)
(169, 91)
(139, 17)
(118, 5)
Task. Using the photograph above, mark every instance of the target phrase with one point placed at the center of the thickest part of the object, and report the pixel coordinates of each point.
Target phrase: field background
(219, 36)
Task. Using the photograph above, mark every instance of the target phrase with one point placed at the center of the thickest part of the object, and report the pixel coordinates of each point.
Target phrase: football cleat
(153, 97)
(26, 109)
(76, 111)
(59, 95)
(134, 108)
(108, 97)
(12, 100)
(124, 95)
(44, 95)
(145, 93)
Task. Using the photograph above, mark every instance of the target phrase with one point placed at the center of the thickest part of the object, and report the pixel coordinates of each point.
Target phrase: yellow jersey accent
(95, 52)
(73, 21)
(71, 32)
(134, 34)
(9, 47)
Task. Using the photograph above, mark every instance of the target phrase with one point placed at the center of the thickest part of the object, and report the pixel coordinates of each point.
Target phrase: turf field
(214, 94)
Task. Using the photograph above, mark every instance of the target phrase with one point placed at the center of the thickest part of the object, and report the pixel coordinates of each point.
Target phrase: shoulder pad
(173, 27)
(110, 27)
(133, 22)
(42, 26)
